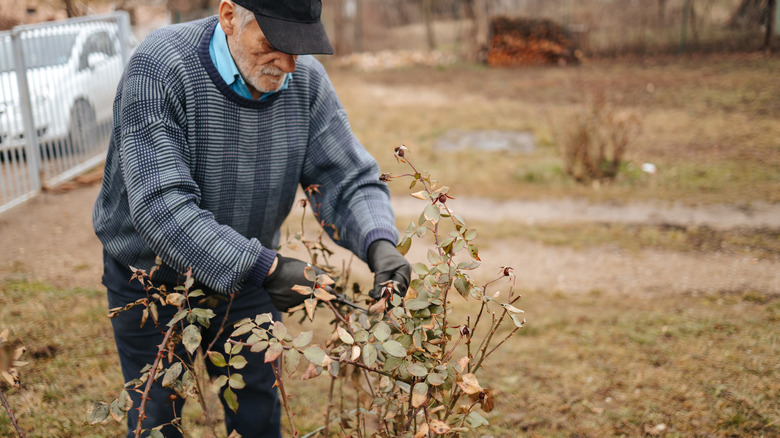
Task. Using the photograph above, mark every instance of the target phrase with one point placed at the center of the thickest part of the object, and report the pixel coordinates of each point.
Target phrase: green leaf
(394, 348)
(420, 231)
(315, 355)
(217, 359)
(172, 374)
(462, 286)
(221, 381)
(258, 347)
(196, 293)
(181, 314)
(474, 251)
(420, 269)
(433, 257)
(230, 399)
(369, 354)
(432, 213)
(417, 304)
(361, 336)
(263, 318)
(124, 401)
(470, 234)
(237, 362)
(279, 330)
(98, 412)
(435, 379)
(417, 369)
(191, 338)
(381, 331)
(345, 336)
(156, 434)
(303, 339)
(242, 329)
(291, 361)
(476, 420)
(236, 381)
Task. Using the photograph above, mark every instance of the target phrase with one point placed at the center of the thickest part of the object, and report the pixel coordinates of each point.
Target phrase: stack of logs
(526, 41)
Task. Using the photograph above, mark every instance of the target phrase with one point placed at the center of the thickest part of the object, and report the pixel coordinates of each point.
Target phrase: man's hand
(279, 283)
(387, 264)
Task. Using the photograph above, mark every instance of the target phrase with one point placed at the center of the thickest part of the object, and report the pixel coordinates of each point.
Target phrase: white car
(72, 74)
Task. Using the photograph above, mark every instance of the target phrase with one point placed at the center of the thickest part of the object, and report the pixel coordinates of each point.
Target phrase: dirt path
(50, 239)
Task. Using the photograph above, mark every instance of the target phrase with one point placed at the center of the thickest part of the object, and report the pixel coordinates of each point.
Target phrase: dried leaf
(311, 372)
(323, 295)
(422, 194)
(469, 384)
(311, 305)
(463, 363)
(355, 353)
(273, 352)
(345, 336)
(419, 394)
(423, 432)
(439, 427)
(175, 299)
(303, 290)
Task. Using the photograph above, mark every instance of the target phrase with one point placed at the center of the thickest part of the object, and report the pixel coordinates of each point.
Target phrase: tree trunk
(427, 10)
(770, 25)
(477, 10)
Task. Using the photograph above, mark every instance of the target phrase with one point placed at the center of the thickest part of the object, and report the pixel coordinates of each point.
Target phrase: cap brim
(295, 38)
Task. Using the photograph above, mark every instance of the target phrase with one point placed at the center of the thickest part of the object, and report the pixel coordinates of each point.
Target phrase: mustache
(272, 71)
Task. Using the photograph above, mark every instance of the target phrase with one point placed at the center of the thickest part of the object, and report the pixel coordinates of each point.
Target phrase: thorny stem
(330, 405)
(152, 372)
(280, 385)
(502, 341)
(224, 321)
(11, 415)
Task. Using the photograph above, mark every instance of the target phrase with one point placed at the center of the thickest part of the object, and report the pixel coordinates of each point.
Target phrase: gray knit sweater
(203, 178)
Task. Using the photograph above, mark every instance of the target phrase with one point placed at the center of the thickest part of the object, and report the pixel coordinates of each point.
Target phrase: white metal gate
(57, 86)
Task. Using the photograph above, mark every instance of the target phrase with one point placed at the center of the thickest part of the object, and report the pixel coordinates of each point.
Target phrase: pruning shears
(342, 299)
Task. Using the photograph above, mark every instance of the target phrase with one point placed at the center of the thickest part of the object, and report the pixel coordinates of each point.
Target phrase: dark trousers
(259, 411)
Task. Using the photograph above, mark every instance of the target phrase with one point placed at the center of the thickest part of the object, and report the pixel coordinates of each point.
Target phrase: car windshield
(39, 51)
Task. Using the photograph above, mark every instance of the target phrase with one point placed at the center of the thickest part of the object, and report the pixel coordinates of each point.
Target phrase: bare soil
(50, 239)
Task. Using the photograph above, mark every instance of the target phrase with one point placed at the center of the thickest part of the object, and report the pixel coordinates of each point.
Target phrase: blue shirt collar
(227, 69)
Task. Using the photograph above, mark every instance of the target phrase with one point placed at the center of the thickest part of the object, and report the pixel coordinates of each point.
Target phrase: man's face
(262, 66)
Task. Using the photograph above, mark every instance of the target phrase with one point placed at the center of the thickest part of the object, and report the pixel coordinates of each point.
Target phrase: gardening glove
(387, 264)
(288, 273)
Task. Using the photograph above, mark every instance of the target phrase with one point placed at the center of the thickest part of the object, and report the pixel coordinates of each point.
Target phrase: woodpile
(518, 42)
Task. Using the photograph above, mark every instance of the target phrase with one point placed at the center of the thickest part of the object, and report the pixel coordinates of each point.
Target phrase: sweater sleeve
(353, 204)
(162, 195)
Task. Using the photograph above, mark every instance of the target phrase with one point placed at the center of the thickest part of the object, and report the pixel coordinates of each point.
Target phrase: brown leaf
(310, 304)
(469, 384)
(303, 290)
(439, 427)
(378, 307)
(311, 372)
(419, 395)
(423, 432)
(323, 295)
(463, 363)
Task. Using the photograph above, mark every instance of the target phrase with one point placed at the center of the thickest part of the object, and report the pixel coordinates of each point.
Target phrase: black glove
(288, 273)
(387, 264)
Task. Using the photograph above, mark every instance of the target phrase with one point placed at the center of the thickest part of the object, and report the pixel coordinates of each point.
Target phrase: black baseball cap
(291, 26)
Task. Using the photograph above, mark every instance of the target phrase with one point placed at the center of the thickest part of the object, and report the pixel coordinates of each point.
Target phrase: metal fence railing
(57, 86)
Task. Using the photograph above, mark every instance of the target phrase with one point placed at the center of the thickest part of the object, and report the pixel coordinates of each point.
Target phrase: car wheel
(83, 127)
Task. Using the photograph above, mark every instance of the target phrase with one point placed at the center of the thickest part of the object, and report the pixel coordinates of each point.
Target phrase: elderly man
(216, 123)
